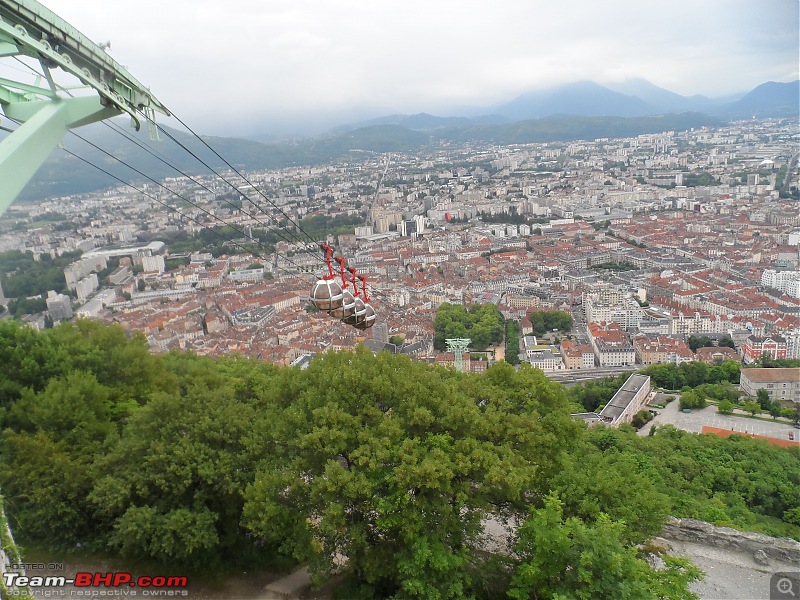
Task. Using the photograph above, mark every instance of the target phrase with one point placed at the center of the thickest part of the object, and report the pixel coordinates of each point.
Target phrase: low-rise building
(755, 347)
(781, 384)
(713, 355)
(628, 400)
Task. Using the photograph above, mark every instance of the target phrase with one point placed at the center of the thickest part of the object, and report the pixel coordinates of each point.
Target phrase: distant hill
(63, 174)
(771, 99)
(568, 128)
(632, 98)
(425, 122)
(584, 98)
(662, 100)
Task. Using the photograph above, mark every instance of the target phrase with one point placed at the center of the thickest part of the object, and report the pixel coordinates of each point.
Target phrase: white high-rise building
(153, 263)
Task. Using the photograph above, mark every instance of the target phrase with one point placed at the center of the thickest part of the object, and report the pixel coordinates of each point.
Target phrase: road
(695, 421)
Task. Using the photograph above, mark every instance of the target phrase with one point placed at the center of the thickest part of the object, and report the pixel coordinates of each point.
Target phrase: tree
(573, 559)
(692, 400)
(764, 401)
(752, 407)
(397, 340)
(725, 407)
(727, 341)
(483, 324)
(624, 492)
(699, 342)
(140, 285)
(172, 489)
(775, 408)
(545, 321)
(381, 468)
(512, 343)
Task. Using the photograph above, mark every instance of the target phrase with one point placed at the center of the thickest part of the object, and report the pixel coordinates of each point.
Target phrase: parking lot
(709, 416)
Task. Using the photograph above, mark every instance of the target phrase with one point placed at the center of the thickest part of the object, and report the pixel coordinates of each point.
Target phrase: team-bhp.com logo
(150, 586)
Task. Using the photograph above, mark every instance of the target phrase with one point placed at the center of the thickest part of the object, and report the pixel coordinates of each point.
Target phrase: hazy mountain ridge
(63, 174)
(632, 98)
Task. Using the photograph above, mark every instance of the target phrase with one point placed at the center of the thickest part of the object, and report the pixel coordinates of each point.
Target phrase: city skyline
(286, 61)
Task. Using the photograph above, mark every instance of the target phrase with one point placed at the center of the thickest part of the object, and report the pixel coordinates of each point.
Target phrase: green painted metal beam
(27, 28)
(46, 123)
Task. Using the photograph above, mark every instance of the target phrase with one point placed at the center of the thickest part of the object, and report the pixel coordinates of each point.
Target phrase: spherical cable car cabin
(370, 316)
(348, 306)
(360, 311)
(327, 294)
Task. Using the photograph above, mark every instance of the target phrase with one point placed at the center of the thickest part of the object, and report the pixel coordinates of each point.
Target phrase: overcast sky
(226, 61)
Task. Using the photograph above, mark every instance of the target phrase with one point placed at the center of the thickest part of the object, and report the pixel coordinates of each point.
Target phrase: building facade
(781, 384)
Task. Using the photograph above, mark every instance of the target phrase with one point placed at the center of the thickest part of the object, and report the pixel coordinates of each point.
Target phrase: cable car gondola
(327, 294)
(348, 306)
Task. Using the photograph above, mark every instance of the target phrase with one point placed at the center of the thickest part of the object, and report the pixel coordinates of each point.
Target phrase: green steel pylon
(47, 113)
(458, 346)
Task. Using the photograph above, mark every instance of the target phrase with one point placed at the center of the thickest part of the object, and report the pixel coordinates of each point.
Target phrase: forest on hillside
(208, 463)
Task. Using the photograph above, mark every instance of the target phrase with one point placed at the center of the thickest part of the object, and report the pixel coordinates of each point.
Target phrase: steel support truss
(46, 114)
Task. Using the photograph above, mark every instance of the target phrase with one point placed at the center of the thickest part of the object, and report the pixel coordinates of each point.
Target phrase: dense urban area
(653, 275)
(646, 241)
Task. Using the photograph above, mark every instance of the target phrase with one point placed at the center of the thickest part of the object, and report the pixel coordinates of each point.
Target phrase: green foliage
(693, 400)
(596, 392)
(321, 226)
(692, 374)
(570, 558)
(512, 217)
(718, 391)
(641, 418)
(397, 340)
(736, 482)
(391, 463)
(699, 342)
(699, 179)
(26, 306)
(625, 491)
(752, 407)
(767, 362)
(22, 276)
(172, 487)
(382, 466)
(615, 266)
(218, 241)
(764, 401)
(727, 341)
(547, 320)
(775, 409)
(175, 263)
(725, 407)
(512, 343)
(482, 323)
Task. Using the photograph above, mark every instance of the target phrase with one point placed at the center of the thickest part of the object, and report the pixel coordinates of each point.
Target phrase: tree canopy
(391, 463)
(482, 323)
(544, 321)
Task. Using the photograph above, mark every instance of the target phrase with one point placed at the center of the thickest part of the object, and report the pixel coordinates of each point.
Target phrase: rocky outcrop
(700, 532)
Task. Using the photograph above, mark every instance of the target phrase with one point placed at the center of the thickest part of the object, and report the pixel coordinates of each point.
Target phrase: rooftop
(758, 375)
(623, 397)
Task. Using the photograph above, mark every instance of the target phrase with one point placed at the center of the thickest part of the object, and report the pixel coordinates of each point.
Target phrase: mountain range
(581, 110)
(633, 98)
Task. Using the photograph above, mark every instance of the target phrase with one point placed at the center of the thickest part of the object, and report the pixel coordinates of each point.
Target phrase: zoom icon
(784, 585)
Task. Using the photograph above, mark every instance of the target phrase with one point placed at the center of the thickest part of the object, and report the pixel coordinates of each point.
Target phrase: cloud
(243, 59)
